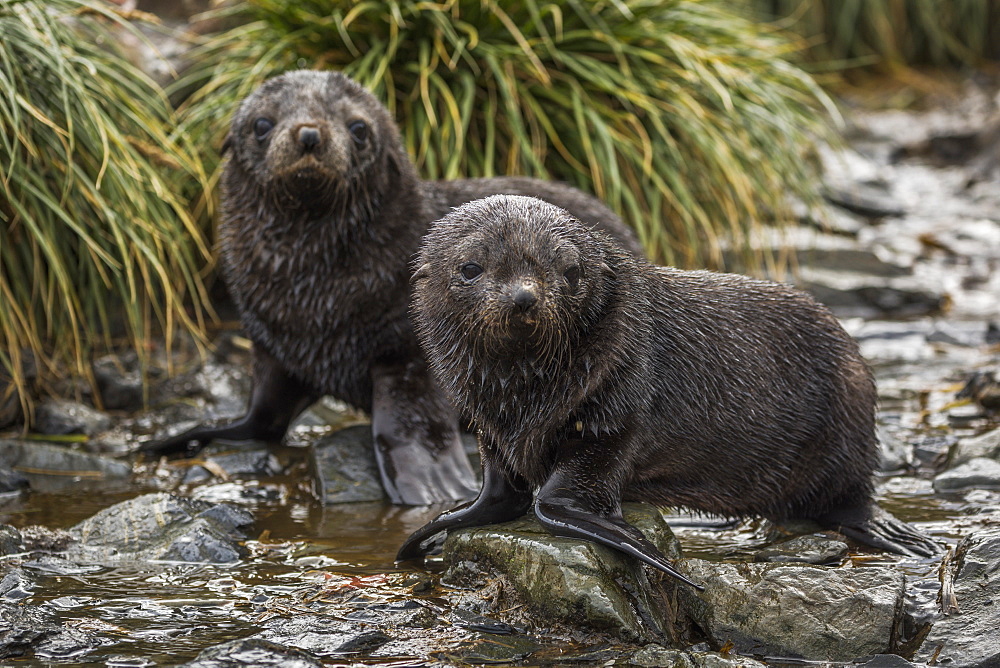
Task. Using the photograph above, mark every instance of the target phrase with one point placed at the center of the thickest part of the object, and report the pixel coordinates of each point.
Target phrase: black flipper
(417, 441)
(500, 500)
(874, 526)
(275, 400)
(580, 500)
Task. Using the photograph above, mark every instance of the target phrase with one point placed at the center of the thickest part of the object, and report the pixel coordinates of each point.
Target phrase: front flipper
(275, 400)
(417, 443)
(580, 500)
(874, 526)
(500, 500)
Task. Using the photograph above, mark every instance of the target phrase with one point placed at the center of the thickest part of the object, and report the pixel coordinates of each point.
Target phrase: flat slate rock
(253, 652)
(162, 527)
(345, 466)
(971, 636)
(977, 473)
(50, 468)
(323, 635)
(802, 612)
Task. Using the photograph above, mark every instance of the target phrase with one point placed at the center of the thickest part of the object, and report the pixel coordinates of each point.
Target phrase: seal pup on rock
(594, 377)
(322, 212)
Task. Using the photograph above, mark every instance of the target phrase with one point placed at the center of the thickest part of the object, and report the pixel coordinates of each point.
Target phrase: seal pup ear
(423, 272)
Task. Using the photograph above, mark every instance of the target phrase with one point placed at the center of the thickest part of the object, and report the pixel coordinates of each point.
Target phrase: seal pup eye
(262, 127)
(572, 276)
(359, 132)
(471, 271)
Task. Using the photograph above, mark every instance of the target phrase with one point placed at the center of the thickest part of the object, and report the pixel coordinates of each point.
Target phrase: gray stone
(10, 540)
(56, 417)
(253, 652)
(345, 466)
(119, 382)
(22, 629)
(323, 635)
(254, 462)
(794, 611)
(161, 527)
(12, 482)
(976, 473)
(970, 637)
(985, 445)
(564, 581)
(657, 656)
(820, 549)
(51, 468)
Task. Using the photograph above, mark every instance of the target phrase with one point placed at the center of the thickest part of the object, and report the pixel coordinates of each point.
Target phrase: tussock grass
(95, 240)
(682, 115)
(890, 34)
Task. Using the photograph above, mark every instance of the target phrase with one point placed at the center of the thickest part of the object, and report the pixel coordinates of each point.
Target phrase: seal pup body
(322, 213)
(594, 377)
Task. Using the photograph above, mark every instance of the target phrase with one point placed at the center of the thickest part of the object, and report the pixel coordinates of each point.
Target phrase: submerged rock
(818, 549)
(253, 652)
(59, 416)
(971, 636)
(162, 527)
(655, 656)
(323, 635)
(27, 630)
(799, 612)
(563, 581)
(976, 473)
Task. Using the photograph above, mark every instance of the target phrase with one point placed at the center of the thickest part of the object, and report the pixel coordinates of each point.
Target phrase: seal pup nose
(308, 137)
(524, 297)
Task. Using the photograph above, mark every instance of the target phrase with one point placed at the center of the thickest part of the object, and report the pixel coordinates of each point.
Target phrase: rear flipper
(875, 527)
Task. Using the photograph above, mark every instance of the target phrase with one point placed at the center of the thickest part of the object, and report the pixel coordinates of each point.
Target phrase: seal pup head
(508, 282)
(307, 139)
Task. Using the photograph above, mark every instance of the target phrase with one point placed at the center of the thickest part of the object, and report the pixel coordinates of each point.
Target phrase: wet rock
(794, 611)
(883, 661)
(42, 539)
(976, 473)
(345, 466)
(255, 462)
(162, 527)
(53, 468)
(213, 391)
(323, 635)
(10, 540)
(865, 200)
(59, 416)
(12, 482)
(985, 445)
(253, 652)
(982, 388)
(817, 549)
(22, 629)
(119, 381)
(852, 294)
(564, 581)
(655, 656)
(10, 403)
(15, 586)
(970, 637)
(492, 651)
(397, 614)
(895, 453)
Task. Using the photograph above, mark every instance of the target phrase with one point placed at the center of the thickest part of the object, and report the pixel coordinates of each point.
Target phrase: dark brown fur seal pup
(322, 213)
(593, 377)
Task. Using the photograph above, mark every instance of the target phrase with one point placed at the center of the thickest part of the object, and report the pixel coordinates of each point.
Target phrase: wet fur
(715, 392)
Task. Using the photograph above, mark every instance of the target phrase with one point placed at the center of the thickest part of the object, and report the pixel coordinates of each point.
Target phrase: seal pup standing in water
(322, 212)
(594, 377)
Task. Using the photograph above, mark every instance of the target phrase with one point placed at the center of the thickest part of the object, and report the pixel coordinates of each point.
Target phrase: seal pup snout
(524, 295)
(308, 136)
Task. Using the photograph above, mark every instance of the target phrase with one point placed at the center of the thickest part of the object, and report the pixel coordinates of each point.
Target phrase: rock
(12, 482)
(22, 629)
(219, 391)
(50, 468)
(10, 540)
(345, 467)
(250, 462)
(10, 403)
(253, 652)
(161, 527)
(564, 581)
(864, 199)
(896, 455)
(56, 417)
(976, 473)
(983, 446)
(323, 635)
(970, 637)
(656, 656)
(852, 294)
(119, 381)
(491, 651)
(817, 549)
(794, 611)
(15, 586)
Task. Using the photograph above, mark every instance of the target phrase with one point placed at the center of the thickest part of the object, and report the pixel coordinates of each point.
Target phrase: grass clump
(680, 114)
(891, 34)
(95, 240)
